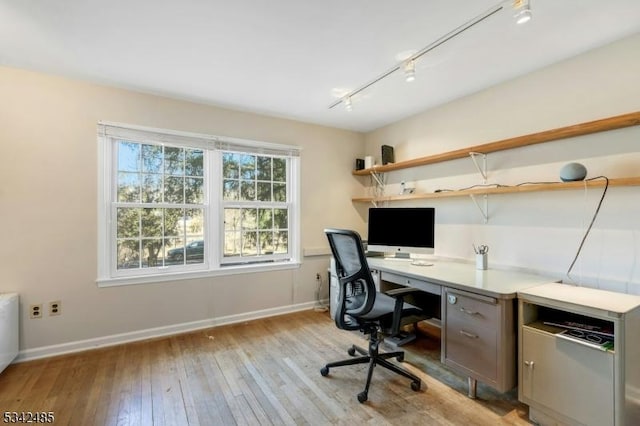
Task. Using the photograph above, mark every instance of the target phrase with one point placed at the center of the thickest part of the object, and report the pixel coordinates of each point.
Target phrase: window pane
(280, 218)
(174, 222)
(128, 187)
(249, 243)
(174, 161)
(194, 223)
(279, 169)
(249, 219)
(264, 191)
(174, 249)
(264, 168)
(173, 189)
(128, 223)
(151, 223)
(152, 158)
(281, 244)
(195, 251)
(248, 166)
(232, 219)
(232, 244)
(128, 157)
(128, 254)
(152, 250)
(194, 162)
(266, 242)
(151, 188)
(231, 165)
(194, 190)
(265, 218)
(230, 191)
(280, 192)
(248, 190)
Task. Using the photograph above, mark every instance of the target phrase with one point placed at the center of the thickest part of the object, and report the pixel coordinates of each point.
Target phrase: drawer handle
(469, 335)
(529, 364)
(468, 312)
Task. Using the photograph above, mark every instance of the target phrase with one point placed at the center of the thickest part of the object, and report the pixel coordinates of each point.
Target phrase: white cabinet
(578, 355)
(8, 328)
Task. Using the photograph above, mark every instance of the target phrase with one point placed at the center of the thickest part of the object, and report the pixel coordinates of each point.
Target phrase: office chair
(361, 307)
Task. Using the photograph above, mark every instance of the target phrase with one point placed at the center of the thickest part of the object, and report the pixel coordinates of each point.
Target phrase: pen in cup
(482, 249)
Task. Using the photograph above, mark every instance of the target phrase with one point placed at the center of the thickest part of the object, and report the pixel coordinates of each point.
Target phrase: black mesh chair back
(357, 291)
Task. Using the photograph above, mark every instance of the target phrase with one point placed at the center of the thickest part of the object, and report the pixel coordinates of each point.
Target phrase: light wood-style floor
(260, 372)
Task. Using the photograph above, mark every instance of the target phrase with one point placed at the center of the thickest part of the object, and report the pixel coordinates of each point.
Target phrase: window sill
(179, 276)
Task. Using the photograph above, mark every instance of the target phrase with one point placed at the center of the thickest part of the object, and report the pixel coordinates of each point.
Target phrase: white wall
(48, 209)
(539, 231)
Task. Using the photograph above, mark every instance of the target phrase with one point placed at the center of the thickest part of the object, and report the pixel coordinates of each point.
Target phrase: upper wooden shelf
(630, 181)
(611, 123)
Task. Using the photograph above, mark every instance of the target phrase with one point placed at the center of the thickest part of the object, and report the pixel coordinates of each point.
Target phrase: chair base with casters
(373, 357)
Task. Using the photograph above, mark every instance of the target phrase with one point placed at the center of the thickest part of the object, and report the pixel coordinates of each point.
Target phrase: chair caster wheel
(325, 371)
(415, 386)
(400, 358)
(362, 397)
(351, 351)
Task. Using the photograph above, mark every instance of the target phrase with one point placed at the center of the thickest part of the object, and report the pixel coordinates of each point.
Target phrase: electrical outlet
(35, 311)
(55, 308)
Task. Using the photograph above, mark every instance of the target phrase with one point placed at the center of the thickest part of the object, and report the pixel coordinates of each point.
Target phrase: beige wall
(48, 208)
(539, 231)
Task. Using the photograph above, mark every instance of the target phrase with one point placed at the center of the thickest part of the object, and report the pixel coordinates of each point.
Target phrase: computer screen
(402, 231)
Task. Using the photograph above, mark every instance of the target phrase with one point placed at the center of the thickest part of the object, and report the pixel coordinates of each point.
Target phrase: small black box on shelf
(387, 154)
(359, 163)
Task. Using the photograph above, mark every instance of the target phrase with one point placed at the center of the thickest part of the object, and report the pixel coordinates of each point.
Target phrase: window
(254, 201)
(183, 204)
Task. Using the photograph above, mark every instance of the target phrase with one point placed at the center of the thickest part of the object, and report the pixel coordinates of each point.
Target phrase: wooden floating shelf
(630, 181)
(611, 123)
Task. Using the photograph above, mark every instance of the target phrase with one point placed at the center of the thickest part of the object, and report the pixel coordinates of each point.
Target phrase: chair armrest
(398, 294)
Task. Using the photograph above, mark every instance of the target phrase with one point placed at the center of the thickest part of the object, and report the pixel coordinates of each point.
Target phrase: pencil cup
(481, 261)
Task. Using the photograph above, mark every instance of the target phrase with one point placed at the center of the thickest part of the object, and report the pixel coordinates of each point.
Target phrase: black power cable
(593, 219)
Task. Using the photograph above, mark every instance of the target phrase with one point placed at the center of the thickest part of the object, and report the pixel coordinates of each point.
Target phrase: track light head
(523, 11)
(409, 69)
(347, 103)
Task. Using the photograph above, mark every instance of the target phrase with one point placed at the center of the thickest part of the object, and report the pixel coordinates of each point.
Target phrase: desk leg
(473, 384)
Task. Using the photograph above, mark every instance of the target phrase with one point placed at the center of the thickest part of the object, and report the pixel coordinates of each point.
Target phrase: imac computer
(402, 231)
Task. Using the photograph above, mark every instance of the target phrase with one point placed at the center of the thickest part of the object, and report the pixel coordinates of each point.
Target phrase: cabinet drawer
(472, 346)
(471, 308)
(411, 282)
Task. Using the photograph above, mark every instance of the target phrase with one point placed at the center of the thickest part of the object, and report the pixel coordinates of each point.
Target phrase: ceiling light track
(402, 65)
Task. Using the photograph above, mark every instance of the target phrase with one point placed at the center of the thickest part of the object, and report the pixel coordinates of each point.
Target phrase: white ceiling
(286, 57)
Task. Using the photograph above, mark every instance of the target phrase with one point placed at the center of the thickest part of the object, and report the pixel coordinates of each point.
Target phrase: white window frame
(213, 147)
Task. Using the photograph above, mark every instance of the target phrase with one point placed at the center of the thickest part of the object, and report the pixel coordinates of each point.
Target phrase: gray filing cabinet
(578, 357)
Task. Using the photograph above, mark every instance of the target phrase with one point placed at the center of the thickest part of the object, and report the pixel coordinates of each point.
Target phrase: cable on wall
(593, 219)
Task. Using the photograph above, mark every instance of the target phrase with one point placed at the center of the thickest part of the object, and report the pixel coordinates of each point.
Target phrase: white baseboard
(117, 339)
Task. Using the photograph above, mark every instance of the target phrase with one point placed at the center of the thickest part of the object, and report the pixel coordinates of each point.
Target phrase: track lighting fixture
(523, 11)
(409, 68)
(408, 65)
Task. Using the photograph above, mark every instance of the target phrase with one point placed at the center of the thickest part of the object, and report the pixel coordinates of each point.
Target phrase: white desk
(478, 314)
